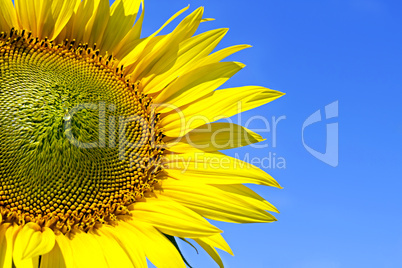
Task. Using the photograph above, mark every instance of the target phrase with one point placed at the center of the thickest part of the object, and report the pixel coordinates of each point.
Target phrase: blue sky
(318, 52)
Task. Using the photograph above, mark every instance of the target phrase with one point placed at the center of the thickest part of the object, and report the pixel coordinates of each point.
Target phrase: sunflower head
(107, 138)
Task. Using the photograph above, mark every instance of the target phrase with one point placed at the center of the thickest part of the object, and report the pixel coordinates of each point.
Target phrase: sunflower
(109, 149)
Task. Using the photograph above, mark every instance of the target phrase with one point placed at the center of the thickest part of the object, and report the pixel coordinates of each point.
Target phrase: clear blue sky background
(318, 52)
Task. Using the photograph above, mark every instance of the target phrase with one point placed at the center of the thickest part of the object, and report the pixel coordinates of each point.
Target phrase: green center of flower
(78, 143)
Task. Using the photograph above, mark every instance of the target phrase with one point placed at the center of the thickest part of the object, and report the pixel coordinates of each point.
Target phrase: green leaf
(173, 240)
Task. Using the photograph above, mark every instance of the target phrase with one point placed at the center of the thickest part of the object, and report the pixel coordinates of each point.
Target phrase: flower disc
(76, 139)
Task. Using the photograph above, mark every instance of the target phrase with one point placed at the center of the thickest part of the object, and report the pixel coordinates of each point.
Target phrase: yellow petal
(8, 16)
(35, 16)
(122, 17)
(125, 234)
(211, 252)
(114, 254)
(248, 196)
(79, 20)
(32, 241)
(223, 103)
(6, 245)
(168, 45)
(219, 55)
(139, 51)
(95, 28)
(181, 147)
(190, 52)
(214, 137)
(54, 259)
(61, 13)
(215, 168)
(207, 19)
(131, 39)
(217, 241)
(172, 218)
(84, 245)
(64, 244)
(158, 249)
(197, 84)
(213, 203)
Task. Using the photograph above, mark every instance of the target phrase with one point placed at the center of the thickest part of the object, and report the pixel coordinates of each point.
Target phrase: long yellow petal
(35, 16)
(8, 16)
(197, 84)
(79, 20)
(84, 245)
(172, 218)
(114, 254)
(217, 241)
(219, 55)
(122, 17)
(195, 58)
(211, 252)
(215, 168)
(158, 249)
(31, 242)
(23, 10)
(131, 40)
(190, 52)
(140, 50)
(125, 234)
(54, 259)
(6, 245)
(214, 137)
(248, 196)
(62, 11)
(64, 243)
(168, 45)
(213, 203)
(96, 25)
(223, 103)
